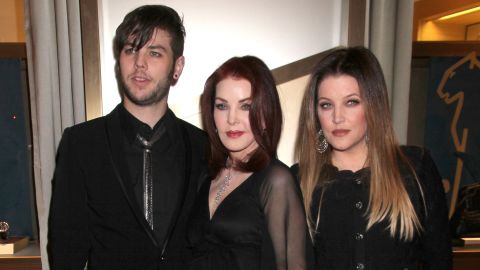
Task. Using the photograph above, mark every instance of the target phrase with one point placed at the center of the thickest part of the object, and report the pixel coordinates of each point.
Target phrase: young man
(124, 183)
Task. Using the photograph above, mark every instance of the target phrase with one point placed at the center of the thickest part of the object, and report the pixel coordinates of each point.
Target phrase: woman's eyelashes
(221, 106)
(243, 106)
(353, 102)
(325, 105)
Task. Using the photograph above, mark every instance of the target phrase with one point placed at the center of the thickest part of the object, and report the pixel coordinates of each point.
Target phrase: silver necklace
(223, 187)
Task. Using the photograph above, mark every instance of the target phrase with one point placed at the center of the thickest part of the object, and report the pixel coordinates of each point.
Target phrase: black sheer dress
(259, 225)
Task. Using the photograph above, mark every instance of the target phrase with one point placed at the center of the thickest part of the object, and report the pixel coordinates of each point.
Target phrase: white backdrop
(278, 31)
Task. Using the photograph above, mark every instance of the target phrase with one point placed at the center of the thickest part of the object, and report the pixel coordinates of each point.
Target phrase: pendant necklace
(223, 187)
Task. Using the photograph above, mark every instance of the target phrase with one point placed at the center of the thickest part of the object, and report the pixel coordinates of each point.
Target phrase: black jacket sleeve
(68, 219)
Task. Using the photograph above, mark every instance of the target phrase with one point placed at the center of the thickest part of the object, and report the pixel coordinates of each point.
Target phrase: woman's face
(341, 112)
(231, 115)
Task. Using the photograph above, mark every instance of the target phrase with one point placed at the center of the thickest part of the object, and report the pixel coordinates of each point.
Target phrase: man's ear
(178, 68)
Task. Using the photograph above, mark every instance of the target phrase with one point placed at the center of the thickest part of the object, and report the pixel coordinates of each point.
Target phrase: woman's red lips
(234, 134)
(340, 132)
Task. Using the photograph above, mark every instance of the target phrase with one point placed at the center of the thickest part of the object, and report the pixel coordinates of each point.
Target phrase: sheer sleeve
(436, 242)
(285, 215)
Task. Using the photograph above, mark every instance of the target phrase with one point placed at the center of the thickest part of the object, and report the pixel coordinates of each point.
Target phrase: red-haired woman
(249, 213)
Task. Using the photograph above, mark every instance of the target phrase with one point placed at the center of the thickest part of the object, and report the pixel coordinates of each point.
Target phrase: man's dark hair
(141, 24)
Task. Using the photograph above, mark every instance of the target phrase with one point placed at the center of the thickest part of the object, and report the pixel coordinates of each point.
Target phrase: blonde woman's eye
(324, 105)
(353, 102)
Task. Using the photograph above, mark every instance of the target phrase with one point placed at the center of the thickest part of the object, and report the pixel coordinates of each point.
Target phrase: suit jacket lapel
(180, 177)
(117, 158)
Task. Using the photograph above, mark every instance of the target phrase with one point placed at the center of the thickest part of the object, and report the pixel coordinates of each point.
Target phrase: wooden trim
(13, 50)
(297, 69)
(444, 48)
(91, 58)
(356, 37)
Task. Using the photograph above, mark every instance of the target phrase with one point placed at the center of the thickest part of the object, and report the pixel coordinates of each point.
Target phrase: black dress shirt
(161, 164)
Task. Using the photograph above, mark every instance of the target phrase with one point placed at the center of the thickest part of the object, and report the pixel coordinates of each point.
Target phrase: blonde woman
(371, 204)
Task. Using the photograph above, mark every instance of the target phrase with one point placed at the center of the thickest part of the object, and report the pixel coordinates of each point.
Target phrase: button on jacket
(342, 241)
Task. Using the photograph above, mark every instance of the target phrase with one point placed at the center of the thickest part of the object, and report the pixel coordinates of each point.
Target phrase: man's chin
(144, 97)
(145, 101)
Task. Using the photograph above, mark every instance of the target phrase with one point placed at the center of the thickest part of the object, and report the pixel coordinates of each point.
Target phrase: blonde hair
(388, 198)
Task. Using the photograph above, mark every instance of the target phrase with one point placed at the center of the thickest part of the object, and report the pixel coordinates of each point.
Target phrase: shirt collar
(132, 126)
(347, 174)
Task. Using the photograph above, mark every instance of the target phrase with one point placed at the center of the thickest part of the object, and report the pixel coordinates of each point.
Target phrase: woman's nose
(232, 117)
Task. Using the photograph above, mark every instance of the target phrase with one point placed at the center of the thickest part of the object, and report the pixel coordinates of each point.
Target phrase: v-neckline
(210, 215)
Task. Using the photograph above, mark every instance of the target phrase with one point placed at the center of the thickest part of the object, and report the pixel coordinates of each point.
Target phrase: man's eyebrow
(152, 47)
(158, 46)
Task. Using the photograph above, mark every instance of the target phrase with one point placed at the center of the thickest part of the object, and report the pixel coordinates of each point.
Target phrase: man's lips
(234, 134)
(140, 80)
(340, 132)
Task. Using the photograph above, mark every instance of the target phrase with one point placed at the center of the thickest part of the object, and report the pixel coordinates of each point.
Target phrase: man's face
(147, 73)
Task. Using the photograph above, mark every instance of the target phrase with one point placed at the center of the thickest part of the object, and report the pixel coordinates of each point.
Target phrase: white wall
(278, 31)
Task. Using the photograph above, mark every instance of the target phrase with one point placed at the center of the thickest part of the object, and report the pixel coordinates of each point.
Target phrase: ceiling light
(460, 13)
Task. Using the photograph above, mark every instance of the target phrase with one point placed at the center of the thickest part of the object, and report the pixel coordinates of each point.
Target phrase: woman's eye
(246, 106)
(324, 105)
(220, 106)
(353, 102)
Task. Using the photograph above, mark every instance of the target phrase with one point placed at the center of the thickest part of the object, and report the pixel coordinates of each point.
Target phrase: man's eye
(155, 54)
(129, 50)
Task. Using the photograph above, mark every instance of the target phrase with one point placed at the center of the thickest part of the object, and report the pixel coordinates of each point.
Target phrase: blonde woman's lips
(234, 134)
(340, 132)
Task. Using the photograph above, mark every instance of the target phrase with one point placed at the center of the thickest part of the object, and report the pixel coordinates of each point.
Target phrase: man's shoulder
(94, 125)
(195, 133)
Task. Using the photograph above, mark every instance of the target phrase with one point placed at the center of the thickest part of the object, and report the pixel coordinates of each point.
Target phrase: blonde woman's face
(341, 112)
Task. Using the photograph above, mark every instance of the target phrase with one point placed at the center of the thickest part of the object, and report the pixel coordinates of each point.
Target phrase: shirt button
(358, 236)
(360, 266)
(358, 181)
(359, 205)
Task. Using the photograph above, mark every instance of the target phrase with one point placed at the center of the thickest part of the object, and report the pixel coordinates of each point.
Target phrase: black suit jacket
(94, 215)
